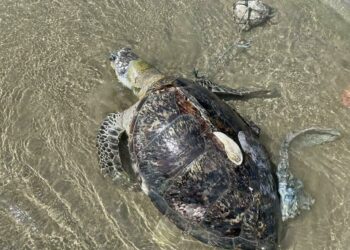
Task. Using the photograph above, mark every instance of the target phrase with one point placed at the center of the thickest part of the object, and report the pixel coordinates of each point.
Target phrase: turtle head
(133, 72)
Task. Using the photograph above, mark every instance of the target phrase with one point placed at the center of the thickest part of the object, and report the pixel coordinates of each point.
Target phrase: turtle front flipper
(290, 188)
(227, 93)
(108, 140)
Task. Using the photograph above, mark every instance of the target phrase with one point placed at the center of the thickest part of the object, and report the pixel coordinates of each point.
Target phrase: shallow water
(56, 86)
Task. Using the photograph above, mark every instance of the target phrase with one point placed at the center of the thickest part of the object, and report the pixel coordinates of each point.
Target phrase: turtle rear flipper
(290, 188)
(108, 144)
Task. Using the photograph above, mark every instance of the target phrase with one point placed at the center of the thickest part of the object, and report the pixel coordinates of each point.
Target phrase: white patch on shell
(233, 151)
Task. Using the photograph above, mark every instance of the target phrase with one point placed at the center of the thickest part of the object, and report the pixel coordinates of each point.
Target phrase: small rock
(251, 13)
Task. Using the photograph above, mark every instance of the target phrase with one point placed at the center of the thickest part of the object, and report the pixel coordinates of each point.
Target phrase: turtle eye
(112, 57)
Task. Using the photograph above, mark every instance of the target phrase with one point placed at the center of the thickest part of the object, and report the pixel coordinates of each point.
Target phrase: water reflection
(56, 86)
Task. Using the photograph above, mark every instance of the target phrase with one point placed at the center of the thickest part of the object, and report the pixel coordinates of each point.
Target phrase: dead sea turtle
(198, 160)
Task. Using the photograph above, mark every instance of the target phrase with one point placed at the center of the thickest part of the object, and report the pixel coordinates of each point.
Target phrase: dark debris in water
(251, 13)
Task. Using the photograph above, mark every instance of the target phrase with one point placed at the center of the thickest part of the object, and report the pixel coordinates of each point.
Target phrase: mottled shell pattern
(180, 140)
